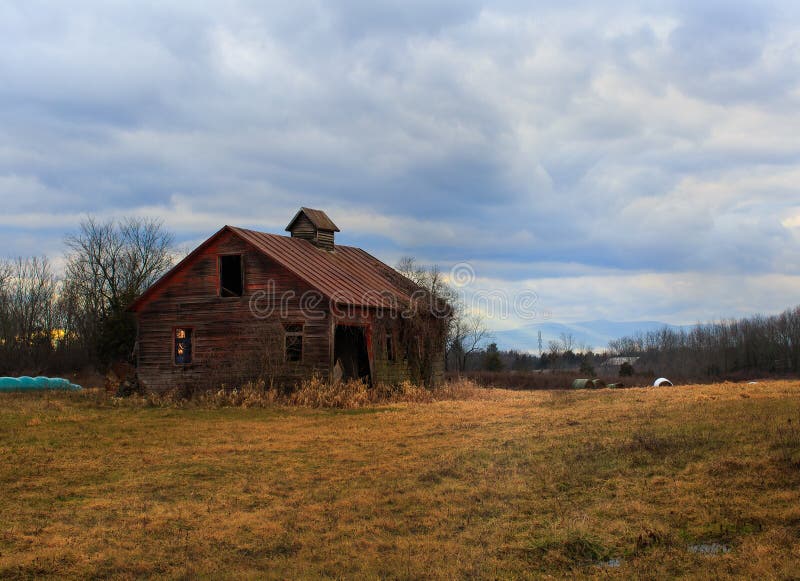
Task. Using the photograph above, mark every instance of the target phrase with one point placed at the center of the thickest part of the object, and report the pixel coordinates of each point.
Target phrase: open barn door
(350, 352)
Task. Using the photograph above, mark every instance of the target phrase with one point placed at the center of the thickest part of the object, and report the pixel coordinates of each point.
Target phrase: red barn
(246, 305)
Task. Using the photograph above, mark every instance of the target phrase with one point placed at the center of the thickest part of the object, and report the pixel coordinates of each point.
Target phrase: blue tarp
(25, 383)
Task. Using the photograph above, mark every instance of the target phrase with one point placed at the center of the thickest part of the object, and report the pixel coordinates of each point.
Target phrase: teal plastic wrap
(26, 383)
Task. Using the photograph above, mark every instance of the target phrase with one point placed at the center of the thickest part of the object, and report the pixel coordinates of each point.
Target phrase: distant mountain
(595, 334)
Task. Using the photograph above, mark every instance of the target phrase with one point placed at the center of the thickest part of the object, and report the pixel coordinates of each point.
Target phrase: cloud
(636, 141)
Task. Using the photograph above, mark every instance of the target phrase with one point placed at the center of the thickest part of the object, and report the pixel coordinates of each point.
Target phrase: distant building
(613, 364)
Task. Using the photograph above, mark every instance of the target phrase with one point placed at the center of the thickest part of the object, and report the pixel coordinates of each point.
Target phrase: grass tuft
(786, 440)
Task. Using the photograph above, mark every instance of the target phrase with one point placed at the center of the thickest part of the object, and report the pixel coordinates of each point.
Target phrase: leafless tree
(108, 265)
(424, 335)
(554, 349)
(408, 267)
(466, 331)
(564, 344)
(112, 262)
(5, 291)
(757, 344)
(561, 350)
(28, 312)
(430, 279)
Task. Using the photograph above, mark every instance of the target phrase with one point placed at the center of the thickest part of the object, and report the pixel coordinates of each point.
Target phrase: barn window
(293, 344)
(231, 279)
(183, 346)
(390, 347)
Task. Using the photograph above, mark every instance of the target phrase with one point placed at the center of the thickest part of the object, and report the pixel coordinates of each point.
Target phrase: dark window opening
(294, 342)
(390, 347)
(183, 346)
(231, 281)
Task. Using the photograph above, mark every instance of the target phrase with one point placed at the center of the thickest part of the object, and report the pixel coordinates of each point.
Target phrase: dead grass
(314, 393)
(493, 484)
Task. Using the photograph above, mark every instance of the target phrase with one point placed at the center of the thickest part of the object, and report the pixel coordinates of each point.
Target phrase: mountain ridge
(593, 334)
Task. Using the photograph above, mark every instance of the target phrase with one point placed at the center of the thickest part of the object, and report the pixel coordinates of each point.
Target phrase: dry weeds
(314, 393)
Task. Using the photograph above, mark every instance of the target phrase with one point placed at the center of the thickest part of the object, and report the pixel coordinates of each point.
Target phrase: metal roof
(318, 218)
(616, 361)
(346, 275)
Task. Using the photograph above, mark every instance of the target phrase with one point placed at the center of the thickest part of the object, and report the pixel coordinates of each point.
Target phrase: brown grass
(313, 393)
(500, 484)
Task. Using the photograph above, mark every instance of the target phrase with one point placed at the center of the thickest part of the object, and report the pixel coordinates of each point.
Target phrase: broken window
(231, 279)
(183, 346)
(389, 347)
(294, 342)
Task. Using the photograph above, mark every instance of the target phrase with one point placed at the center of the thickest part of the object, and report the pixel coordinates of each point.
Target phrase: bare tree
(430, 279)
(114, 261)
(33, 289)
(757, 344)
(426, 334)
(466, 331)
(28, 312)
(555, 349)
(5, 291)
(108, 265)
(567, 342)
(408, 267)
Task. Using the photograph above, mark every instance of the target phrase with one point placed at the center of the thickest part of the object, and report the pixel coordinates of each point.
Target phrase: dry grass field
(504, 484)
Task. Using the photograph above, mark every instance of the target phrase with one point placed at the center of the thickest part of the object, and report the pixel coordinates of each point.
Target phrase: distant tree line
(562, 355)
(51, 323)
(738, 347)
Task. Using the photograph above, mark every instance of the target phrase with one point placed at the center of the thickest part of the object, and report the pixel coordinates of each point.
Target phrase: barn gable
(349, 276)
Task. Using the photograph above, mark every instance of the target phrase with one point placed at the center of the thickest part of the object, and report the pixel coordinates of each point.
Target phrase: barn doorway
(350, 352)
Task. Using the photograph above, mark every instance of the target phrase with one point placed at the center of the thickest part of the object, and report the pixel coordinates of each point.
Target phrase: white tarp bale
(662, 381)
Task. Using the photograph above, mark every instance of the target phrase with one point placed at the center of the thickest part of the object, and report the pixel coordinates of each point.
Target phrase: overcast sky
(622, 162)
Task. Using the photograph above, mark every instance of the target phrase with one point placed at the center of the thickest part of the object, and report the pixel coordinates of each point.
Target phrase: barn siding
(325, 239)
(227, 339)
(387, 371)
(303, 228)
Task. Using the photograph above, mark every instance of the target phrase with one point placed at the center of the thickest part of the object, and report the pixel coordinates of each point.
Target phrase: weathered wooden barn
(246, 305)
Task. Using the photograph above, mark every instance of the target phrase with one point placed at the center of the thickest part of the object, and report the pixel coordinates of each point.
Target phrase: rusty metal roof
(318, 218)
(348, 275)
